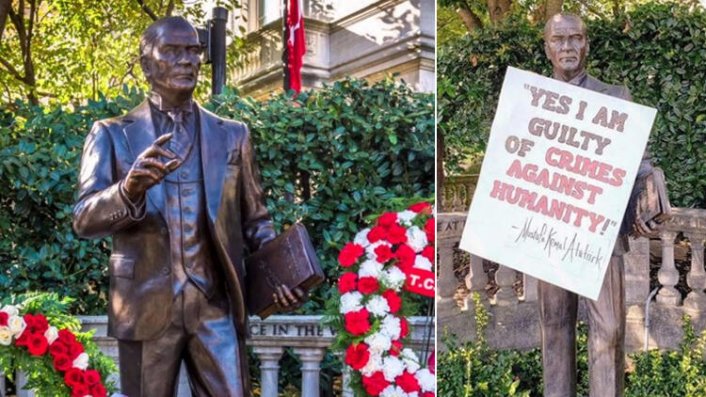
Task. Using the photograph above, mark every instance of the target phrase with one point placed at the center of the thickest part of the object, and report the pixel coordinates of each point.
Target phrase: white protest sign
(559, 167)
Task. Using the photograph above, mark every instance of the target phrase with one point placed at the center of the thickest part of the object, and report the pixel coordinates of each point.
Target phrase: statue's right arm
(102, 209)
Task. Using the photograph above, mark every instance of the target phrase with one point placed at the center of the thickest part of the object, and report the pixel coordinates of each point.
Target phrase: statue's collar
(156, 101)
(578, 80)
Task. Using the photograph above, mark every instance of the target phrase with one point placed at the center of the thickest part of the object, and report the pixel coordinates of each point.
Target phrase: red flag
(296, 46)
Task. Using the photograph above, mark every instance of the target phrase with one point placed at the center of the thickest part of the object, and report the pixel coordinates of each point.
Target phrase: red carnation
(405, 256)
(347, 282)
(23, 339)
(357, 323)
(431, 362)
(393, 300)
(376, 234)
(80, 391)
(430, 230)
(422, 207)
(408, 382)
(98, 390)
(429, 253)
(37, 344)
(36, 323)
(92, 377)
(357, 356)
(3, 318)
(383, 253)
(62, 362)
(396, 348)
(387, 219)
(74, 377)
(404, 327)
(350, 254)
(397, 234)
(427, 394)
(368, 285)
(375, 383)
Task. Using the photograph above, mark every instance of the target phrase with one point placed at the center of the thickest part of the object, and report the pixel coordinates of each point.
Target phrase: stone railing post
(449, 228)
(668, 275)
(269, 368)
(2, 384)
(529, 288)
(20, 383)
(311, 358)
(505, 278)
(697, 276)
(347, 391)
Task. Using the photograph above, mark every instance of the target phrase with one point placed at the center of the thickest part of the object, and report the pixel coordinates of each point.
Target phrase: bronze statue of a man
(178, 189)
(566, 45)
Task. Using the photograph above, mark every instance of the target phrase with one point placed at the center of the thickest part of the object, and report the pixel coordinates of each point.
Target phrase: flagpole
(285, 48)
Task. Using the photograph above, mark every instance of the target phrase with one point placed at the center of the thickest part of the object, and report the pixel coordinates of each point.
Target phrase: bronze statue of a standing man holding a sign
(178, 189)
(566, 45)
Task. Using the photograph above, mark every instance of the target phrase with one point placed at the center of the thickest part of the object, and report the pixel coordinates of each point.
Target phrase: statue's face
(172, 67)
(566, 46)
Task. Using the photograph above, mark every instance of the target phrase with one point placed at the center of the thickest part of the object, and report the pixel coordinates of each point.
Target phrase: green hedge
(657, 50)
(328, 158)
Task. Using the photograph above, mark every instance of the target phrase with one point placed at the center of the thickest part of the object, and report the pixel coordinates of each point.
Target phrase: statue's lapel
(140, 134)
(214, 150)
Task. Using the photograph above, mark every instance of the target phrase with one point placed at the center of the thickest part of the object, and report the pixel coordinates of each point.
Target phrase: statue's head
(170, 56)
(566, 45)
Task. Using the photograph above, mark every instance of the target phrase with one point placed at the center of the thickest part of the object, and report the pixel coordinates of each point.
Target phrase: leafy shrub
(657, 50)
(328, 158)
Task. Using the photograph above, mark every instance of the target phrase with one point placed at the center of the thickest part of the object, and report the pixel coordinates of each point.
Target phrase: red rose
(350, 254)
(397, 234)
(3, 318)
(422, 207)
(80, 391)
(357, 323)
(74, 377)
(36, 323)
(430, 230)
(404, 327)
(66, 337)
(405, 256)
(387, 219)
(368, 285)
(23, 340)
(396, 348)
(408, 382)
(429, 253)
(393, 300)
(375, 383)
(92, 377)
(37, 344)
(62, 362)
(383, 253)
(98, 390)
(347, 282)
(58, 348)
(357, 356)
(75, 349)
(376, 234)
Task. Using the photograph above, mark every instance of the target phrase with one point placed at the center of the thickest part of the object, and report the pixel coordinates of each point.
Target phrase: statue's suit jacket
(140, 301)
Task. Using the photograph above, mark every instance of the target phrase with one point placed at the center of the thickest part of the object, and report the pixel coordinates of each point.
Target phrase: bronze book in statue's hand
(653, 205)
(289, 259)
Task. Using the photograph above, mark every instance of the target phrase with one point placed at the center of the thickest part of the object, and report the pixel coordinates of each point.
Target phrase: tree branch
(170, 8)
(11, 69)
(552, 7)
(5, 7)
(147, 10)
(469, 18)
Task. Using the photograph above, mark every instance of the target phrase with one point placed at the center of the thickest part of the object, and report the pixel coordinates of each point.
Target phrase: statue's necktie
(181, 141)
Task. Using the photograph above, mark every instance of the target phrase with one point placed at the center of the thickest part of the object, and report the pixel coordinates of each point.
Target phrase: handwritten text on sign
(556, 178)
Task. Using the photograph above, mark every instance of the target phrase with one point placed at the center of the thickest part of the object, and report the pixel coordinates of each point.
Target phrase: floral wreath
(380, 267)
(56, 358)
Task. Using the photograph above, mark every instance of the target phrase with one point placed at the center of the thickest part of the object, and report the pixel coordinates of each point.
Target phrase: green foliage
(358, 146)
(41, 375)
(656, 49)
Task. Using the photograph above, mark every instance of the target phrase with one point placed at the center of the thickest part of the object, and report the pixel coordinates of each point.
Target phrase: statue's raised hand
(148, 170)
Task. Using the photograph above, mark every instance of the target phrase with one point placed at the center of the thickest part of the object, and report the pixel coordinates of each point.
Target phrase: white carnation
(416, 239)
(390, 326)
(51, 334)
(17, 325)
(370, 268)
(10, 310)
(5, 336)
(378, 306)
(81, 362)
(370, 250)
(378, 343)
(405, 217)
(374, 364)
(362, 238)
(351, 302)
(410, 359)
(394, 391)
(393, 278)
(427, 380)
(392, 367)
(421, 262)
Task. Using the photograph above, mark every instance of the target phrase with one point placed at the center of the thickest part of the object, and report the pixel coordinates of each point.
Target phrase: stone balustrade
(307, 336)
(676, 268)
